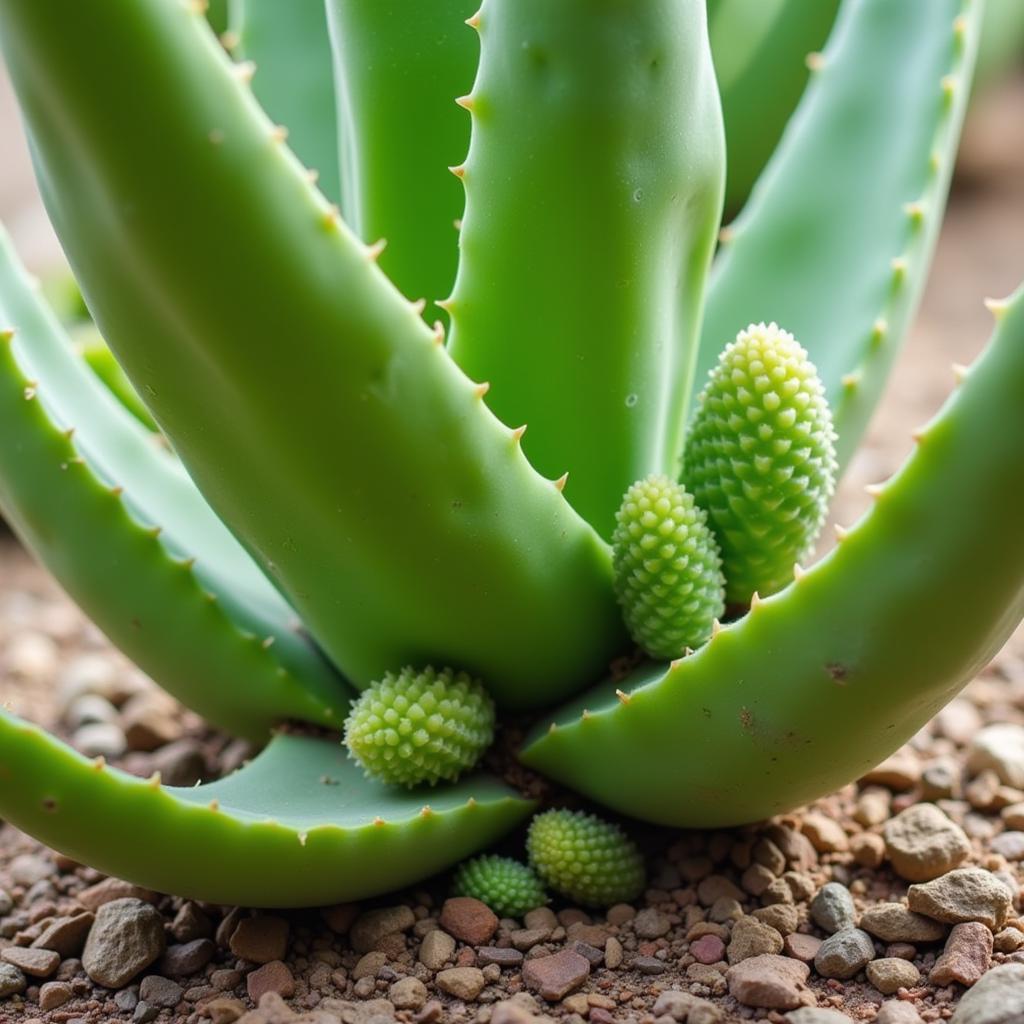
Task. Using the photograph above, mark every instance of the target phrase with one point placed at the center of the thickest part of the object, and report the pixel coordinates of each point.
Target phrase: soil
(699, 882)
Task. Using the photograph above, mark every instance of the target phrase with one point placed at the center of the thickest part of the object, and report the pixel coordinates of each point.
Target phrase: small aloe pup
(760, 457)
(349, 494)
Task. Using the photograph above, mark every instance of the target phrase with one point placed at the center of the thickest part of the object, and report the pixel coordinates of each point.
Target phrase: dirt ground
(665, 941)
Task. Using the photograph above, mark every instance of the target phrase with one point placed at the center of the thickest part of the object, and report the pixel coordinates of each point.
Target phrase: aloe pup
(353, 493)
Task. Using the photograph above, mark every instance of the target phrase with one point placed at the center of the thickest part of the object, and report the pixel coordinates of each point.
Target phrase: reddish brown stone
(37, 963)
(66, 935)
(54, 994)
(554, 977)
(768, 981)
(260, 940)
(708, 949)
(801, 947)
(111, 889)
(500, 956)
(469, 920)
(273, 978)
(966, 957)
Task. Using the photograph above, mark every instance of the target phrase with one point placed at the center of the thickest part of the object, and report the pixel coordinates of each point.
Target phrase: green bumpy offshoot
(761, 459)
(591, 861)
(415, 727)
(668, 572)
(508, 887)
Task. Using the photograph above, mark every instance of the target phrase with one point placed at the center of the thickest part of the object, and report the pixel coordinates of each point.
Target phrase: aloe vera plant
(352, 495)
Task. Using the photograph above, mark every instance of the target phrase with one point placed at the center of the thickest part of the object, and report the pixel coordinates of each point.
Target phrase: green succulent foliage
(668, 572)
(762, 51)
(581, 856)
(506, 885)
(760, 457)
(101, 361)
(415, 727)
(285, 49)
(344, 489)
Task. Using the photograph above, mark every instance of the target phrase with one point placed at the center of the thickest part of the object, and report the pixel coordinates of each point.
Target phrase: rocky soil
(897, 899)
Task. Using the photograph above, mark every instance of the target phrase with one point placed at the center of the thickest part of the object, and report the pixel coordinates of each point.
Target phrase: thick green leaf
(299, 826)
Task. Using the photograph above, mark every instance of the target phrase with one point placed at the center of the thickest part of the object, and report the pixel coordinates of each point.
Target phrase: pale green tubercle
(593, 193)
(821, 682)
(760, 458)
(420, 726)
(585, 858)
(396, 513)
(836, 240)
(668, 569)
(297, 827)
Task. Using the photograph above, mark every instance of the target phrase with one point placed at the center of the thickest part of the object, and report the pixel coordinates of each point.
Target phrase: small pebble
(436, 949)
(783, 917)
(408, 994)
(891, 973)
(469, 920)
(554, 977)
(868, 849)
(832, 908)
(127, 936)
(768, 982)
(752, 938)
(54, 994)
(708, 949)
(274, 977)
(463, 982)
(999, 747)
(826, 835)
(923, 843)
(12, 981)
(967, 894)
(260, 940)
(99, 739)
(649, 965)
(187, 958)
(651, 924)
(896, 1011)
(966, 957)
(802, 947)
(159, 991)
(893, 922)
(37, 963)
(844, 954)
(504, 958)
(1009, 845)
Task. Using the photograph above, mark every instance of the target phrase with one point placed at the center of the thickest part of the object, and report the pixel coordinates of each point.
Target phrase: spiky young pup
(420, 727)
(668, 572)
(507, 886)
(760, 458)
(585, 858)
